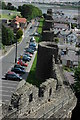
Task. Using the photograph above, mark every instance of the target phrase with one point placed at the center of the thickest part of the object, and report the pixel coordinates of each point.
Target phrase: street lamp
(16, 52)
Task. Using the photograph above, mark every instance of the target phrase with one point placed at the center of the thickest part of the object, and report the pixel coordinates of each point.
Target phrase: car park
(32, 39)
(18, 70)
(20, 62)
(26, 58)
(27, 53)
(29, 50)
(32, 47)
(12, 76)
(33, 44)
(36, 34)
(19, 66)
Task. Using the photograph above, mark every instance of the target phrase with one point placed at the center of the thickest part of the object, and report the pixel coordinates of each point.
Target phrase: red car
(20, 62)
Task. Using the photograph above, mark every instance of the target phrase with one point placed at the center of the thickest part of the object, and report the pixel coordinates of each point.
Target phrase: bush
(7, 36)
(56, 40)
(19, 34)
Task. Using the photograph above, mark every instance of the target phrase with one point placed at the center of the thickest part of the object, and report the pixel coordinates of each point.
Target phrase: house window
(50, 92)
(31, 97)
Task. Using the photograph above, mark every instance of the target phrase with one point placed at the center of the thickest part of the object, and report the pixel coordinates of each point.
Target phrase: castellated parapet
(47, 31)
(44, 66)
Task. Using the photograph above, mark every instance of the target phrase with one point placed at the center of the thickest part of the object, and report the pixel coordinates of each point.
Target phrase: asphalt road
(7, 87)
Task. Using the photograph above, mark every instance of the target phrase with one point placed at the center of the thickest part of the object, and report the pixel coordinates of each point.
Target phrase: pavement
(7, 87)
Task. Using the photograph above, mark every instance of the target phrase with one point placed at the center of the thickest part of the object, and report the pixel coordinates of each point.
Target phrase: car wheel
(6, 78)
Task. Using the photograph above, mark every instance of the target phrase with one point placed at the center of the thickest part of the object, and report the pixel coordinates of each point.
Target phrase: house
(70, 59)
(71, 38)
(19, 23)
(61, 26)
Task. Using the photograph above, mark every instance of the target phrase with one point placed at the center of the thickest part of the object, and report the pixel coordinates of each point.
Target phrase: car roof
(10, 72)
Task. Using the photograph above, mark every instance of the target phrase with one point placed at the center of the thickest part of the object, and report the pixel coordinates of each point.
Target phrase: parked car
(32, 39)
(19, 66)
(32, 47)
(33, 44)
(18, 70)
(27, 53)
(20, 62)
(31, 27)
(36, 34)
(26, 58)
(12, 76)
(29, 50)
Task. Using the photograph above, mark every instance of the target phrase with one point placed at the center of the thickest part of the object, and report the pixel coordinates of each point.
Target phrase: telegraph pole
(16, 52)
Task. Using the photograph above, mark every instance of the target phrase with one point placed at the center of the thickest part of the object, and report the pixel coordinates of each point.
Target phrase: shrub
(7, 36)
(19, 34)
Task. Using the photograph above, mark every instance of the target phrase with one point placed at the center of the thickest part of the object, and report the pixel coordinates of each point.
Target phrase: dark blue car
(26, 58)
(12, 76)
(29, 50)
(18, 70)
(19, 66)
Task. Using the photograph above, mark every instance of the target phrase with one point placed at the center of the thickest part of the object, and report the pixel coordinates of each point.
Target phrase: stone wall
(44, 66)
(46, 101)
(47, 32)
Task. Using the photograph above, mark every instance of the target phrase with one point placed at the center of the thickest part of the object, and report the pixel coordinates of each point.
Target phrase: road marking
(6, 91)
(8, 81)
(7, 87)
(14, 84)
(5, 95)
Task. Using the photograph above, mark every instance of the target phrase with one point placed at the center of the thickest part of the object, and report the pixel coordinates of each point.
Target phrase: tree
(9, 6)
(19, 34)
(7, 36)
(4, 5)
(29, 11)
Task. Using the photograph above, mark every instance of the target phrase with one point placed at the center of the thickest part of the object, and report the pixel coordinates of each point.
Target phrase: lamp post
(16, 52)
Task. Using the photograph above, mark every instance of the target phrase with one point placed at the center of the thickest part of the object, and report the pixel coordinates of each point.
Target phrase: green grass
(12, 16)
(39, 30)
(32, 75)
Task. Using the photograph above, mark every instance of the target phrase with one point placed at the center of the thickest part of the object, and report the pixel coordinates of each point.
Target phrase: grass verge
(10, 15)
(39, 30)
(32, 75)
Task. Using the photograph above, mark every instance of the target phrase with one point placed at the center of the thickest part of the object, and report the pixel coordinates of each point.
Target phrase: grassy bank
(32, 75)
(39, 30)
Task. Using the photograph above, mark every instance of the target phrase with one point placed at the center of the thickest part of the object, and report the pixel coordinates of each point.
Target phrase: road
(7, 87)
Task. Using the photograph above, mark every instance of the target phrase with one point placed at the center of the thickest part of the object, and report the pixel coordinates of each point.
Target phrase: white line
(7, 87)
(6, 91)
(8, 81)
(5, 95)
(9, 84)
